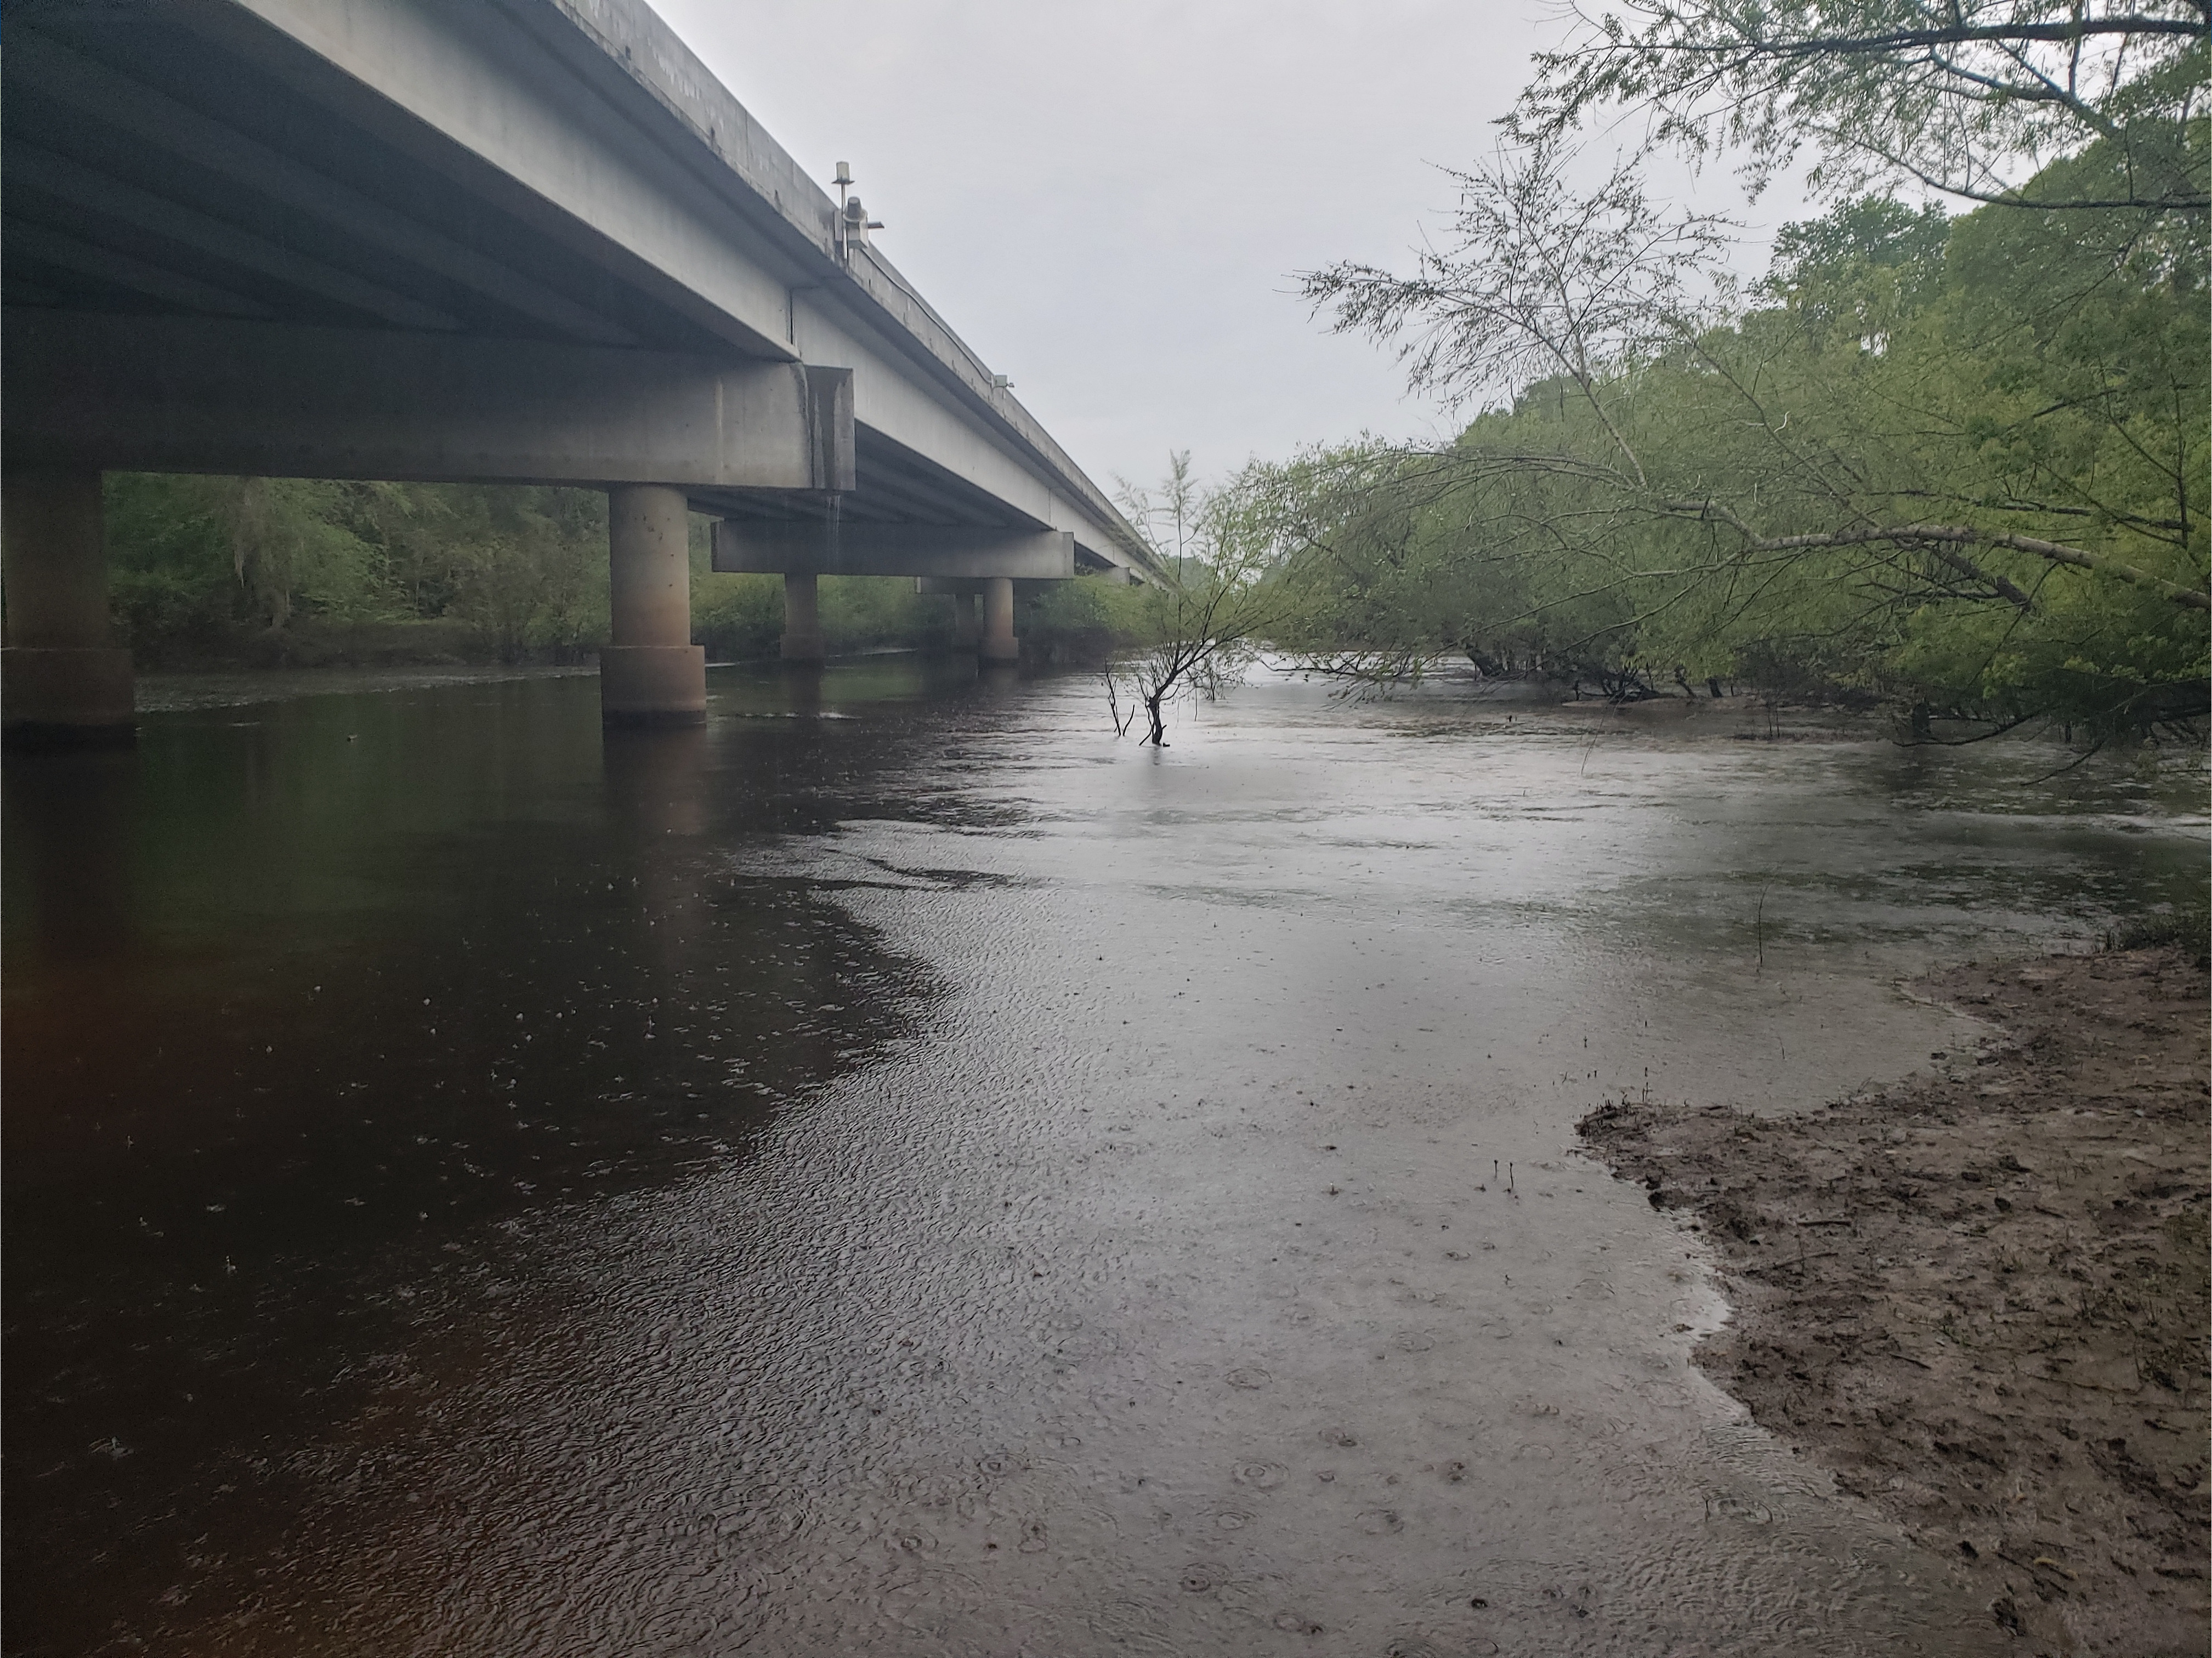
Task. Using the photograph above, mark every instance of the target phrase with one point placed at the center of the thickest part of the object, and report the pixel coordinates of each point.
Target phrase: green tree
(1972, 99)
(1975, 478)
(203, 557)
(1198, 632)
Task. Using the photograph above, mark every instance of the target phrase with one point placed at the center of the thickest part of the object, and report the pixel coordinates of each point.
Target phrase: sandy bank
(1980, 1297)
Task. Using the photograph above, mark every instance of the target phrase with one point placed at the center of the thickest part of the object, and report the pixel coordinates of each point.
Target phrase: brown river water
(900, 1171)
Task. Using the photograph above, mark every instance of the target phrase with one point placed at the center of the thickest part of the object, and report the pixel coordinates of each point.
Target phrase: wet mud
(1980, 1296)
(898, 1170)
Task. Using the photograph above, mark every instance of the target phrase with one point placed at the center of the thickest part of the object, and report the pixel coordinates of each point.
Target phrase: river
(900, 1170)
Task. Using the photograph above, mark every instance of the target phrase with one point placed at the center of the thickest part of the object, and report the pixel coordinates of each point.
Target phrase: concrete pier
(62, 676)
(652, 674)
(802, 619)
(999, 643)
(967, 630)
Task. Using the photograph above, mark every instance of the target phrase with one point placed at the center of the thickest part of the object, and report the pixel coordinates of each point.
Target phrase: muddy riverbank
(1980, 1296)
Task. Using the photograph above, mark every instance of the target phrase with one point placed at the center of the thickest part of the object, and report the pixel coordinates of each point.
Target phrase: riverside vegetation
(1952, 463)
(295, 572)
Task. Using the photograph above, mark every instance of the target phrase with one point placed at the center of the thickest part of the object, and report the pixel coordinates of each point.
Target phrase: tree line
(1956, 462)
(279, 571)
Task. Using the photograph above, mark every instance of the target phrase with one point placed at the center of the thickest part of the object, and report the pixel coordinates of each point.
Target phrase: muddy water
(900, 1171)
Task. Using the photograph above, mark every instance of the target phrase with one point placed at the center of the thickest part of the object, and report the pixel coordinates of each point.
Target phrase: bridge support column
(999, 642)
(802, 619)
(62, 676)
(967, 632)
(653, 674)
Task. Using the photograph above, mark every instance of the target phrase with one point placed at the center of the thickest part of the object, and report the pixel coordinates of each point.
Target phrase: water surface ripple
(899, 1170)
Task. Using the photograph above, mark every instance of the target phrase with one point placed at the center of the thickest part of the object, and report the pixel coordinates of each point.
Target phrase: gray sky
(1108, 201)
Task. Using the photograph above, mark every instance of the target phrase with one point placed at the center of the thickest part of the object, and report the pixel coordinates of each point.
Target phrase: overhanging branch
(1940, 536)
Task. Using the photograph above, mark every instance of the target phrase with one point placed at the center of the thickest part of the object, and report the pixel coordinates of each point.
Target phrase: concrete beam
(928, 586)
(584, 121)
(32, 167)
(472, 91)
(255, 169)
(283, 400)
(762, 549)
(907, 415)
(42, 245)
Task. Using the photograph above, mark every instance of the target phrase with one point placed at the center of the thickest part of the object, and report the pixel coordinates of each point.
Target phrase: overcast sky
(1110, 200)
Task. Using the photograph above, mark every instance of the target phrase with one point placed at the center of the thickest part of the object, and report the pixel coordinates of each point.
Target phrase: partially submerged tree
(1201, 631)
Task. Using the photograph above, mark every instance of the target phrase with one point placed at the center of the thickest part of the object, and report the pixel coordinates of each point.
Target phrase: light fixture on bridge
(1000, 383)
(858, 224)
(853, 223)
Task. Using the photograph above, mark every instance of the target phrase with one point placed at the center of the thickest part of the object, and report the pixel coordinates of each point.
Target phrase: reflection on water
(896, 1169)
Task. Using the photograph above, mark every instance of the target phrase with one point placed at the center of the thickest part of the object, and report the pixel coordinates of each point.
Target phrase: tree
(1900, 469)
(1535, 281)
(1970, 98)
(195, 557)
(215, 563)
(1200, 631)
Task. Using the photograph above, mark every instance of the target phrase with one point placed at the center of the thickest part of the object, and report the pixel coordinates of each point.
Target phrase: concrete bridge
(498, 241)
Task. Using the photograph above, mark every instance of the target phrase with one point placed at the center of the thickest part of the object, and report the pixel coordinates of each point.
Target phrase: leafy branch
(1958, 96)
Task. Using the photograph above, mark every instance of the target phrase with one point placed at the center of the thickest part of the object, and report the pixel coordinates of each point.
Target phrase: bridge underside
(189, 161)
(173, 163)
(464, 239)
(894, 488)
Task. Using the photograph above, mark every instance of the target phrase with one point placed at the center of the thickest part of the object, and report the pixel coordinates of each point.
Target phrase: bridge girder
(177, 394)
(825, 547)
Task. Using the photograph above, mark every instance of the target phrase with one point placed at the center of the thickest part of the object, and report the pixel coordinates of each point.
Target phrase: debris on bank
(1980, 1297)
